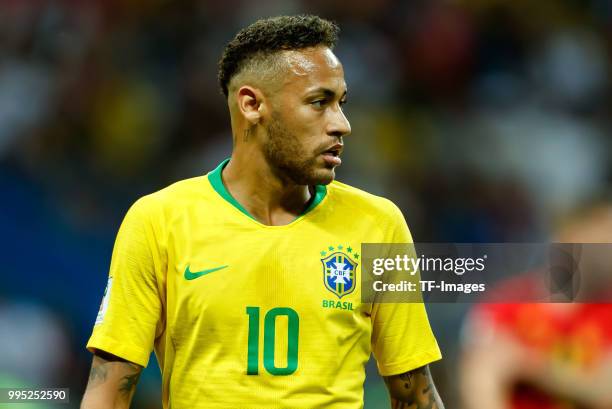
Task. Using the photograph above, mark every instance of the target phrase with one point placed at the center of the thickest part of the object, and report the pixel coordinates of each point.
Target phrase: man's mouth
(332, 155)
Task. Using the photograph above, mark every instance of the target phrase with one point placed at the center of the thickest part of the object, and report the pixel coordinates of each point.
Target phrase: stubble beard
(288, 160)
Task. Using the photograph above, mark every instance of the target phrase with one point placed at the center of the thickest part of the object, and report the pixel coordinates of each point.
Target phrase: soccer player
(246, 281)
(547, 355)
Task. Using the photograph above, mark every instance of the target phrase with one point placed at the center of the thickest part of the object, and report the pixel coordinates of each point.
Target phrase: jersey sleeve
(402, 339)
(130, 316)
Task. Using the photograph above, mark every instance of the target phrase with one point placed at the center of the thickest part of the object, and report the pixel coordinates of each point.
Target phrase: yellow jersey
(243, 315)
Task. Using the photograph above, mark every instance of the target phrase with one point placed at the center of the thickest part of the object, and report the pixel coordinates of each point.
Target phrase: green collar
(217, 183)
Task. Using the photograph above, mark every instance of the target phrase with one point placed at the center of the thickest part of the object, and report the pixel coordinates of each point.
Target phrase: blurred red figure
(544, 355)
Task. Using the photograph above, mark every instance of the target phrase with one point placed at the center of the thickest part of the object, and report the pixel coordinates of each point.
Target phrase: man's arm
(493, 360)
(413, 390)
(112, 382)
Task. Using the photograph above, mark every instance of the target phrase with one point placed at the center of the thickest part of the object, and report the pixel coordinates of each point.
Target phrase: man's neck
(269, 199)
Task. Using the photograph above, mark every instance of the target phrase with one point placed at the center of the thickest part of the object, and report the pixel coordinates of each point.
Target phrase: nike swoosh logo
(190, 276)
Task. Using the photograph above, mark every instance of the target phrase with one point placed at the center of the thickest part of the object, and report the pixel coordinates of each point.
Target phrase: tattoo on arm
(97, 374)
(103, 369)
(128, 383)
(413, 390)
(407, 378)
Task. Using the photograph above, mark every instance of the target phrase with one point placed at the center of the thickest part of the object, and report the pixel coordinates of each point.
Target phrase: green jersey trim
(217, 183)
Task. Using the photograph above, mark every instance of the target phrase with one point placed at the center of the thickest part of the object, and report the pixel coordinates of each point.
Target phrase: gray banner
(34, 395)
(487, 272)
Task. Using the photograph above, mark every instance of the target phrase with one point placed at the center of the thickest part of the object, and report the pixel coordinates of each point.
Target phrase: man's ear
(251, 103)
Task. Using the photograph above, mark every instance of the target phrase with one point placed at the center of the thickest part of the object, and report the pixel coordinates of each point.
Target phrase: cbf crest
(339, 270)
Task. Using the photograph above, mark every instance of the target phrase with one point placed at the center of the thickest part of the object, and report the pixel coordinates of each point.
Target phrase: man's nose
(338, 124)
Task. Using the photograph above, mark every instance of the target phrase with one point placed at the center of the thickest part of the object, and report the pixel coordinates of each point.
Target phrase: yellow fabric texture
(201, 330)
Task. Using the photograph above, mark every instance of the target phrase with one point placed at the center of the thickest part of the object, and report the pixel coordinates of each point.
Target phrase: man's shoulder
(355, 198)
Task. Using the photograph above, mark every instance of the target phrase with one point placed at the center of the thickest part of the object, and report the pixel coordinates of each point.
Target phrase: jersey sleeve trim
(130, 353)
(414, 362)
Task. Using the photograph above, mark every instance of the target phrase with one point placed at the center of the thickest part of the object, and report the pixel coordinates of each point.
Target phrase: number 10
(293, 329)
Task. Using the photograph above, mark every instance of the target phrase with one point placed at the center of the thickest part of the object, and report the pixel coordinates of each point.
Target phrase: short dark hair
(268, 36)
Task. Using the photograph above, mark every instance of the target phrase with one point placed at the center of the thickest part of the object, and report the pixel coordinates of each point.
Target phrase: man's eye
(318, 103)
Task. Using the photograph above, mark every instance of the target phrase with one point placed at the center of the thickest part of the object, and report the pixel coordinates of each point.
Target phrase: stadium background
(484, 120)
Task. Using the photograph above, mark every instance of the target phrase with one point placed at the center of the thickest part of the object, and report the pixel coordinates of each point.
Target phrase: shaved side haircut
(254, 51)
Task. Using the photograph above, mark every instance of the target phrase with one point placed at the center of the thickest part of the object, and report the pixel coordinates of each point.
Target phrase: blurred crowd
(484, 120)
